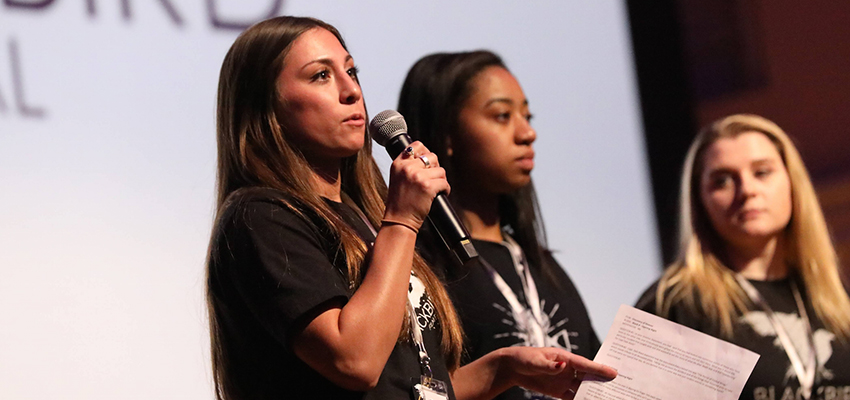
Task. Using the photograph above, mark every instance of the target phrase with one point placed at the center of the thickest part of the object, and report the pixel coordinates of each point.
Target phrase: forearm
(351, 345)
(371, 321)
(483, 378)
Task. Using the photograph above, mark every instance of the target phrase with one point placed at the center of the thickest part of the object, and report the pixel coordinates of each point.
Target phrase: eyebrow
(723, 169)
(764, 161)
(504, 100)
(326, 61)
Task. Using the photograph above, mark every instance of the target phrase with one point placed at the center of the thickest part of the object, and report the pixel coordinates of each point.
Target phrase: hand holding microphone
(389, 129)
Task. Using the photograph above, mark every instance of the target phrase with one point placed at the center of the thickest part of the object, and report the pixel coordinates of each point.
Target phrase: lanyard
(416, 335)
(805, 373)
(537, 325)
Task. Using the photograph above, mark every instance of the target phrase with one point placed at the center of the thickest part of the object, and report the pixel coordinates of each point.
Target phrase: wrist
(392, 222)
(505, 370)
(400, 217)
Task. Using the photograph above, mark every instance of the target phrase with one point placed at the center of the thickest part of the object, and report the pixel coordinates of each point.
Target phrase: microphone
(389, 129)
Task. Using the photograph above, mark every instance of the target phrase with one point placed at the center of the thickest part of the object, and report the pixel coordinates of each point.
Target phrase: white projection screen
(107, 167)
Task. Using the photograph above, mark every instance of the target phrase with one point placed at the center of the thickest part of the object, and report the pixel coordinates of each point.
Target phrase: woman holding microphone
(314, 287)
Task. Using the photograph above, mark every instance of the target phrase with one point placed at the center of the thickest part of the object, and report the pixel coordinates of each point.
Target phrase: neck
(326, 181)
(480, 214)
(762, 263)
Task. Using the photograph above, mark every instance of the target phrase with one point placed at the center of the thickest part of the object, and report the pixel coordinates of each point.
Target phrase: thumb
(548, 364)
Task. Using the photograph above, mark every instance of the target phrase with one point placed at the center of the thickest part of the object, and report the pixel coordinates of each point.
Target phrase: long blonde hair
(254, 152)
(699, 279)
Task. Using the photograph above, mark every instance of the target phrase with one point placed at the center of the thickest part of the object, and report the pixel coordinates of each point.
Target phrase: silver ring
(425, 161)
(571, 390)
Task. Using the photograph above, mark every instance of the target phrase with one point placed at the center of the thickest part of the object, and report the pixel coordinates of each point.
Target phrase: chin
(759, 228)
(351, 150)
(349, 153)
(760, 234)
(520, 180)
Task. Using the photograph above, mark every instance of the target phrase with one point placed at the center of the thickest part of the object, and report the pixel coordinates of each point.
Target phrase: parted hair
(434, 92)
(255, 151)
(701, 281)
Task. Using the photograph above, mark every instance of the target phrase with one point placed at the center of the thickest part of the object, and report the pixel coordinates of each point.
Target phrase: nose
(746, 186)
(349, 90)
(525, 134)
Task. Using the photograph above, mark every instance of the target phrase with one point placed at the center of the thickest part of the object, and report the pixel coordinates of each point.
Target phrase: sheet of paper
(660, 360)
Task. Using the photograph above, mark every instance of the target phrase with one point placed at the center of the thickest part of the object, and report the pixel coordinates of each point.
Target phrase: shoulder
(648, 300)
(678, 305)
(257, 208)
(551, 269)
(257, 218)
(549, 262)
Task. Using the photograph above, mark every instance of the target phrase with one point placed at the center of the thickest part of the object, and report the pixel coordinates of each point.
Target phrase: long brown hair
(434, 93)
(254, 151)
(699, 269)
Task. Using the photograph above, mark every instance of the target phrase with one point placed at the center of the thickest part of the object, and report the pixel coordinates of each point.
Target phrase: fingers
(584, 366)
(418, 151)
(415, 180)
(571, 389)
(554, 361)
(422, 167)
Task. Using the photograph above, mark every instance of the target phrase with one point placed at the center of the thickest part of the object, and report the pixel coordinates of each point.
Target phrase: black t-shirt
(490, 324)
(273, 271)
(773, 377)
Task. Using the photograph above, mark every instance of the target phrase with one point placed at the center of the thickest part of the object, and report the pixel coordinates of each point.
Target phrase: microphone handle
(442, 216)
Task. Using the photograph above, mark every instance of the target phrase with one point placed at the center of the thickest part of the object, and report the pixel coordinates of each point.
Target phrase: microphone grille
(387, 125)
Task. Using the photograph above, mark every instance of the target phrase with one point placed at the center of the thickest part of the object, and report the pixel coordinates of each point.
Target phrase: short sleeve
(276, 264)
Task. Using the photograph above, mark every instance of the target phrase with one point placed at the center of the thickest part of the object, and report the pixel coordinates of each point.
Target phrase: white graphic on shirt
(425, 312)
(556, 334)
(796, 328)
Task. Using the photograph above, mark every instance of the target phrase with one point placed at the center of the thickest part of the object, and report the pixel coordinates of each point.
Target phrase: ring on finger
(425, 161)
(408, 152)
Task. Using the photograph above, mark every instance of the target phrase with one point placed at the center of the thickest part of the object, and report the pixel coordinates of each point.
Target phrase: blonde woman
(757, 266)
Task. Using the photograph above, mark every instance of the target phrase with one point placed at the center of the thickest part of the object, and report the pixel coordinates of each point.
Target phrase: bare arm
(351, 345)
(551, 371)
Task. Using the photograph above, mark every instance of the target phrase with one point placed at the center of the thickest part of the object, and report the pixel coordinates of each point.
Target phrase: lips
(746, 215)
(527, 160)
(356, 119)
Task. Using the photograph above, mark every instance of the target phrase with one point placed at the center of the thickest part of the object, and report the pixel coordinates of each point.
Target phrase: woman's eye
(503, 117)
(764, 172)
(353, 71)
(721, 181)
(529, 116)
(321, 75)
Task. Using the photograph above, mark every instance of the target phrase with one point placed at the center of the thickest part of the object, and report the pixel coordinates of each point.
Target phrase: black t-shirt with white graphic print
(773, 377)
(275, 271)
(489, 322)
